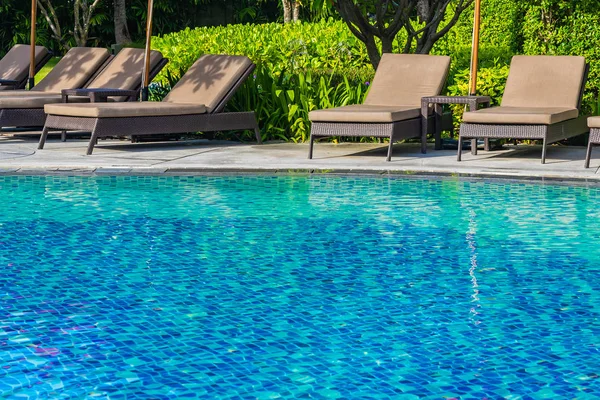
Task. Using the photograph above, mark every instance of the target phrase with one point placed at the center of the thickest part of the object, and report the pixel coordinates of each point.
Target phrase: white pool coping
(18, 155)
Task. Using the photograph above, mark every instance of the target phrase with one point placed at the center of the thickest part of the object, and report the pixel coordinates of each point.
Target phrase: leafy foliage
(170, 16)
(300, 67)
(490, 82)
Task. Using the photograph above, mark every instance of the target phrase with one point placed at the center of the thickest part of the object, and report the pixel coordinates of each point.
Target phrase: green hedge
(300, 67)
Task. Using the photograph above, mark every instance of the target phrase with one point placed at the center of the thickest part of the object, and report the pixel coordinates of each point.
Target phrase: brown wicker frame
(217, 120)
(394, 131)
(547, 133)
(594, 140)
(422, 126)
(36, 117)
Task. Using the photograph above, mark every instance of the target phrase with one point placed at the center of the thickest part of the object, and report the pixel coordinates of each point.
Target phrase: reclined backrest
(545, 81)
(209, 80)
(15, 64)
(125, 70)
(74, 70)
(403, 79)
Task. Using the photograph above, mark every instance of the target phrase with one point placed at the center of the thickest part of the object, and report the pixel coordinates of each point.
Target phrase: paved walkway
(19, 155)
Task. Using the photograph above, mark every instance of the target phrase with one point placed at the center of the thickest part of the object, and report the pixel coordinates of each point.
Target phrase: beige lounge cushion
(15, 64)
(594, 122)
(35, 101)
(121, 110)
(520, 115)
(544, 81)
(74, 70)
(125, 70)
(209, 80)
(26, 93)
(403, 79)
(365, 113)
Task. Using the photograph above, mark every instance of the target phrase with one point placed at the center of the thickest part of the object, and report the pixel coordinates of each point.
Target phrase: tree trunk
(296, 10)
(423, 8)
(372, 51)
(287, 11)
(122, 35)
(52, 19)
(386, 44)
(82, 12)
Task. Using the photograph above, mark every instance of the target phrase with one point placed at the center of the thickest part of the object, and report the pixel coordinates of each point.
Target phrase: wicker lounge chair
(594, 125)
(542, 101)
(195, 104)
(79, 66)
(392, 108)
(14, 66)
(24, 108)
(120, 73)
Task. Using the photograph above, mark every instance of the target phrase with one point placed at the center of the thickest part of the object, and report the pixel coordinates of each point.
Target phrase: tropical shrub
(490, 82)
(300, 68)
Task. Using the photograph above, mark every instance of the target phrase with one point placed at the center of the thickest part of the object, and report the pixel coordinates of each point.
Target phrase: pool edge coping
(383, 173)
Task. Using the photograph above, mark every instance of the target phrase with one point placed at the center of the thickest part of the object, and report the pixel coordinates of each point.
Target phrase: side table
(98, 95)
(437, 101)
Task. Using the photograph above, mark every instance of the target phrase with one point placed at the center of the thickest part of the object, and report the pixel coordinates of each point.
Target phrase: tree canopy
(425, 22)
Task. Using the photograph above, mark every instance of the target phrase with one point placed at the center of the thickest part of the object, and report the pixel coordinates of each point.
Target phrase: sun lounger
(14, 66)
(594, 140)
(195, 104)
(74, 70)
(541, 101)
(122, 73)
(392, 108)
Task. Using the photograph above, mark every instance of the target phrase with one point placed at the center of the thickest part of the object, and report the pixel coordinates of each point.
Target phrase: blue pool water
(294, 287)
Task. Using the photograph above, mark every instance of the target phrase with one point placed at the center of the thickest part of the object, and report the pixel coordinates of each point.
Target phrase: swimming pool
(296, 287)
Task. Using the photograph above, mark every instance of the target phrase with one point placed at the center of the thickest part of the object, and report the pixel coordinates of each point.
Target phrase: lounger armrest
(9, 82)
(98, 95)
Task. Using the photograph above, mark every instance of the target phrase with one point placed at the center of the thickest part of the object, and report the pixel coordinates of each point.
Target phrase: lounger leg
(258, 137)
(588, 155)
(310, 148)
(43, 138)
(486, 145)
(390, 149)
(474, 147)
(439, 112)
(544, 152)
(93, 142)
(424, 138)
(63, 136)
(460, 142)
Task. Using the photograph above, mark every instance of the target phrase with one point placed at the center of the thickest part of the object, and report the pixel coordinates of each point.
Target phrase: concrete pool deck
(19, 155)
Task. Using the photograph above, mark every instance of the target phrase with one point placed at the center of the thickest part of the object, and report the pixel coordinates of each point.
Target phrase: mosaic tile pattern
(321, 287)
